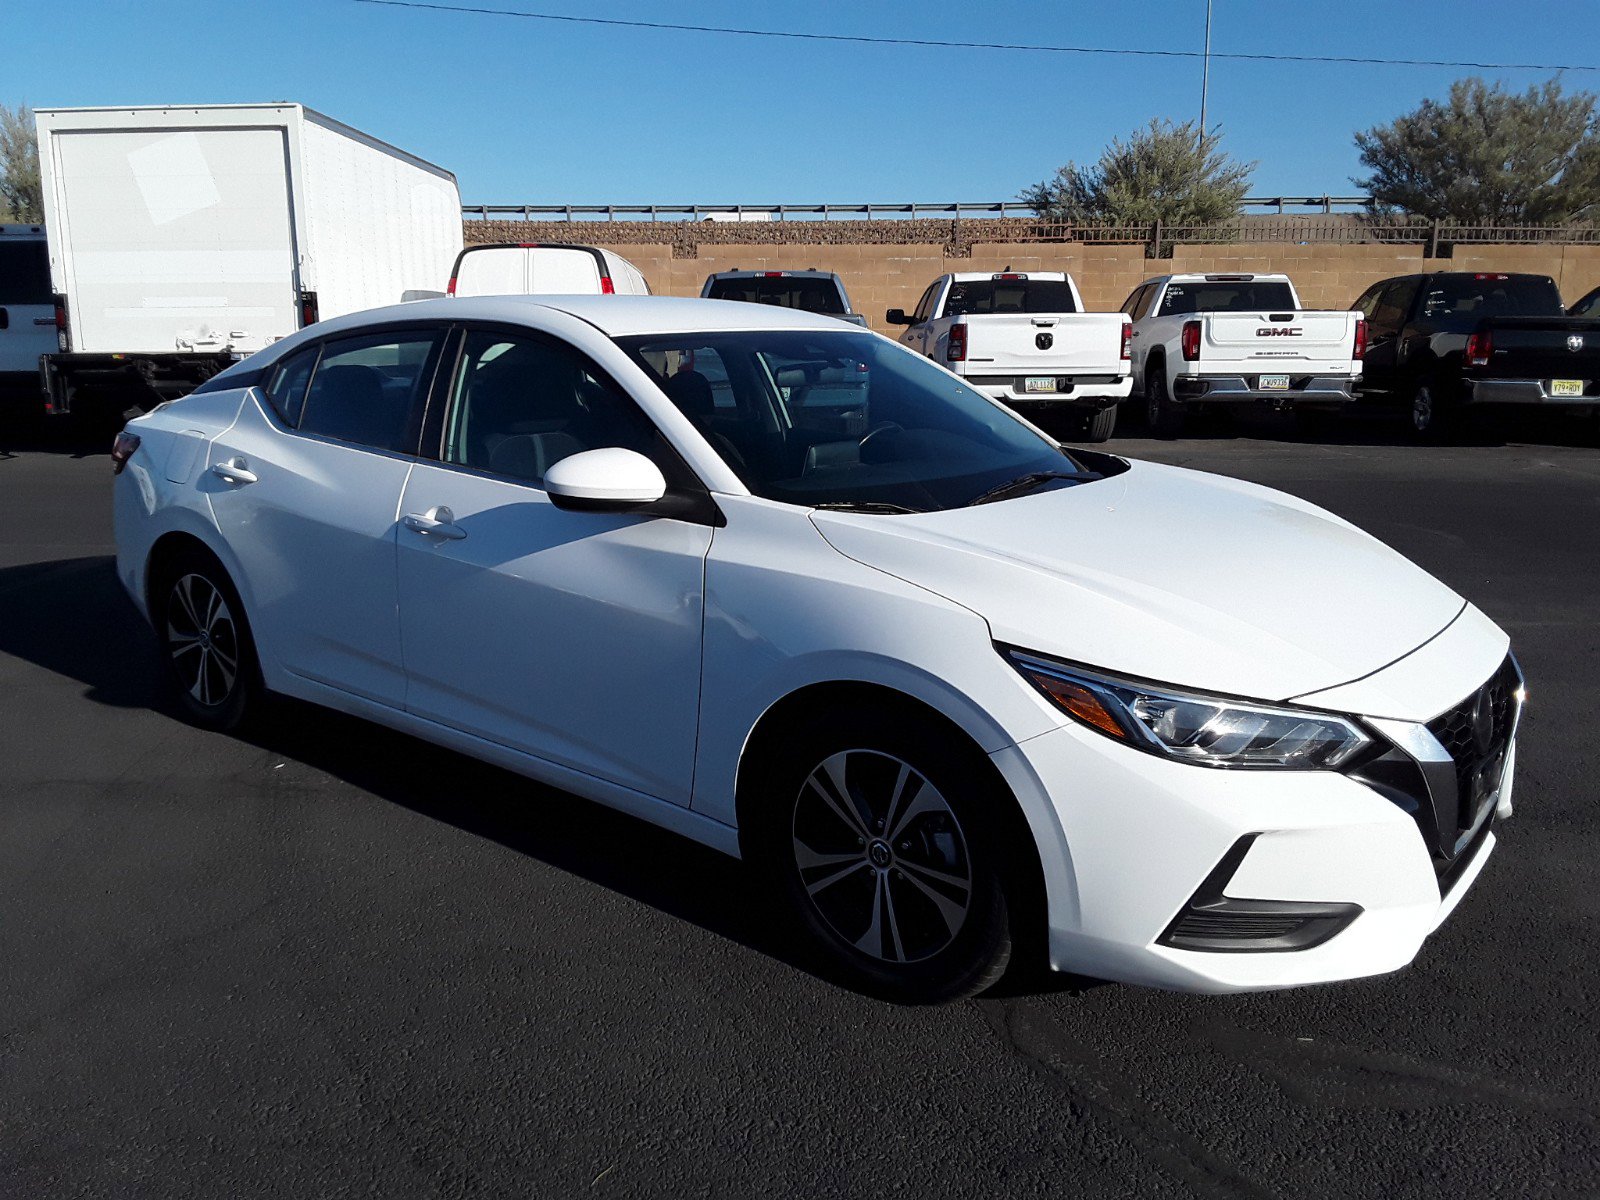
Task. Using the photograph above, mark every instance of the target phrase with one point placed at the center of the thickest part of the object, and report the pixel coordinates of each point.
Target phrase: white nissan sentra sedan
(794, 592)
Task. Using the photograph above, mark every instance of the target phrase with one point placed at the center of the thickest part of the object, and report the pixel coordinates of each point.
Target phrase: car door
(1136, 306)
(305, 490)
(571, 636)
(1382, 368)
(916, 335)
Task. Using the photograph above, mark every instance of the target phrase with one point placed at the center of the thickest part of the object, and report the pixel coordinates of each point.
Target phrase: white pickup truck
(1217, 339)
(1024, 339)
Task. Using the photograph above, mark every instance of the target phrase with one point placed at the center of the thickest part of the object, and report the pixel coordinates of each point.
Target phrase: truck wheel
(1163, 414)
(1097, 426)
(1432, 416)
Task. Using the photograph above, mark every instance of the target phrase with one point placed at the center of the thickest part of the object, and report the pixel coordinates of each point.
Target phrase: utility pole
(1205, 77)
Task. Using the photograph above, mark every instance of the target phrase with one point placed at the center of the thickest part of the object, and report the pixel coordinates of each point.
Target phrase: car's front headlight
(1210, 731)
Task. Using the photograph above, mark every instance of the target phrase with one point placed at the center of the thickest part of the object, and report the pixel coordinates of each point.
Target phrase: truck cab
(27, 309)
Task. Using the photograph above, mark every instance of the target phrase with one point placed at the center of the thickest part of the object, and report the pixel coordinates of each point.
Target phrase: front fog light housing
(1210, 731)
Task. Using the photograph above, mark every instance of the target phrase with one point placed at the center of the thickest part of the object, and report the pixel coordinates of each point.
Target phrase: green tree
(1488, 156)
(1165, 172)
(21, 197)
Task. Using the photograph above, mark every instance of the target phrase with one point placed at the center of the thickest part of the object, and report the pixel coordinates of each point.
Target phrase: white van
(27, 306)
(544, 269)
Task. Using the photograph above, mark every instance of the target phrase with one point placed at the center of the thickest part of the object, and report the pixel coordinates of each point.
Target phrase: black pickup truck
(1440, 342)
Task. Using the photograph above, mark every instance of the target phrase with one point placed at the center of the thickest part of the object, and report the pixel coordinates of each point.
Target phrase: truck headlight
(1210, 731)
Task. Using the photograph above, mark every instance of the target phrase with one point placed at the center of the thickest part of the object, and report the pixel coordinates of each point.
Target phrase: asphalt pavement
(333, 961)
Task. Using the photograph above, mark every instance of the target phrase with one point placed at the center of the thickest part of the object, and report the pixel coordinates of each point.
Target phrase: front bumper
(1526, 391)
(1302, 389)
(1134, 842)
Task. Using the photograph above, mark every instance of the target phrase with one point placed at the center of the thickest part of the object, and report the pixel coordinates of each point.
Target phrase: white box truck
(185, 238)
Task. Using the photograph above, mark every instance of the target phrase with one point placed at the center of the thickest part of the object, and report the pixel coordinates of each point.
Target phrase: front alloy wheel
(881, 856)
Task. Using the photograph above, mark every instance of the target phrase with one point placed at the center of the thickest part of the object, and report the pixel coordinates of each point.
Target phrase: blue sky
(539, 112)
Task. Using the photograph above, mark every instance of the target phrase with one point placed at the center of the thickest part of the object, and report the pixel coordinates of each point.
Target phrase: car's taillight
(1191, 341)
(1127, 340)
(607, 288)
(1479, 347)
(308, 309)
(63, 330)
(1360, 350)
(956, 351)
(122, 449)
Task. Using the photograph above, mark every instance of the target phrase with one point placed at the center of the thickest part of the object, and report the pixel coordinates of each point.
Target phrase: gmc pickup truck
(1227, 339)
(1025, 340)
(1452, 339)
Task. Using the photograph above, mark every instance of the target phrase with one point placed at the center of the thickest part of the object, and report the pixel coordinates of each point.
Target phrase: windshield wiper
(1026, 483)
(865, 506)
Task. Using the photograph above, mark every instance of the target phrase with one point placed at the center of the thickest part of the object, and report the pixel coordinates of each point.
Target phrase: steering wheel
(877, 432)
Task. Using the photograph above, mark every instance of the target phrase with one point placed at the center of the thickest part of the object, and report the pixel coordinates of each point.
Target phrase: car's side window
(519, 404)
(1390, 309)
(286, 387)
(1141, 301)
(369, 390)
(924, 308)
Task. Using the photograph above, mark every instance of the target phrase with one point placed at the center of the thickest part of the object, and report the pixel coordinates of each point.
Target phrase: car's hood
(1169, 575)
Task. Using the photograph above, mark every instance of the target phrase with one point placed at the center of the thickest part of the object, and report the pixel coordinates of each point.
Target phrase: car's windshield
(1009, 294)
(1186, 299)
(843, 418)
(807, 293)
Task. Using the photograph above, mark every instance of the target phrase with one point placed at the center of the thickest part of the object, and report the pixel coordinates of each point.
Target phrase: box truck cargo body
(184, 238)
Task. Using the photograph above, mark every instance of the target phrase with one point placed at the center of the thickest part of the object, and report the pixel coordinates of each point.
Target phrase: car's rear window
(24, 272)
(1184, 299)
(1020, 295)
(784, 291)
(1489, 296)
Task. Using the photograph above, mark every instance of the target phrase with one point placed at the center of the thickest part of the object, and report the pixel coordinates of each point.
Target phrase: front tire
(878, 835)
(1162, 414)
(205, 643)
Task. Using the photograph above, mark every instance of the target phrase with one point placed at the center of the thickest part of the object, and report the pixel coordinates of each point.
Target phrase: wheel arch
(1028, 880)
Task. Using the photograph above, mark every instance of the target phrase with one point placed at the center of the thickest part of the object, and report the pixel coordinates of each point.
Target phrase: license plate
(1274, 383)
(1039, 383)
(1566, 387)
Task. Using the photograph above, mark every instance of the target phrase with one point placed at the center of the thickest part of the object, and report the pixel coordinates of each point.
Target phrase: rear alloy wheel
(206, 646)
(1162, 414)
(882, 842)
(1431, 419)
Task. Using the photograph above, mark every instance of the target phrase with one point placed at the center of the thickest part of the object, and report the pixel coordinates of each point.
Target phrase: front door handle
(438, 522)
(235, 470)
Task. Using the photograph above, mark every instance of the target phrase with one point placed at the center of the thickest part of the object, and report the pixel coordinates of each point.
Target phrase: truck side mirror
(897, 316)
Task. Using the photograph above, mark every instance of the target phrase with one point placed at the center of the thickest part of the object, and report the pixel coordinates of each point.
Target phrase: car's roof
(975, 276)
(615, 316)
(754, 273)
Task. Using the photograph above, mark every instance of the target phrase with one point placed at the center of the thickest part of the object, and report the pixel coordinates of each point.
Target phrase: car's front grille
(1476, 734)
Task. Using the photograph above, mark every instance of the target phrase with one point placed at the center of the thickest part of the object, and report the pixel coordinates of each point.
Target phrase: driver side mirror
(608, 480)
(897, 316)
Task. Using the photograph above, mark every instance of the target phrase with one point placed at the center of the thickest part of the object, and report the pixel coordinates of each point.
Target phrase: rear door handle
(438, 522)
(235, 470)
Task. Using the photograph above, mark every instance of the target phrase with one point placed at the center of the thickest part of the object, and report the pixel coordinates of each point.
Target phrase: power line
(862, 39)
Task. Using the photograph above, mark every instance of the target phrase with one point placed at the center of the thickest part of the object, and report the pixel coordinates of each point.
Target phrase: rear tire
(877, 834)
(1098, 426)
(1162, 414)
(1433, 417)
(206, 648)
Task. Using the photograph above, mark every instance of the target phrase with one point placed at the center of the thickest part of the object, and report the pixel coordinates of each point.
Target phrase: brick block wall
(887, 264)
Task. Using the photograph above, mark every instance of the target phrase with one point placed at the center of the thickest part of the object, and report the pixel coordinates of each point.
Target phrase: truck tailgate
(176, 236)
(1263, 340)
(1545, 348)
(1044, 343)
